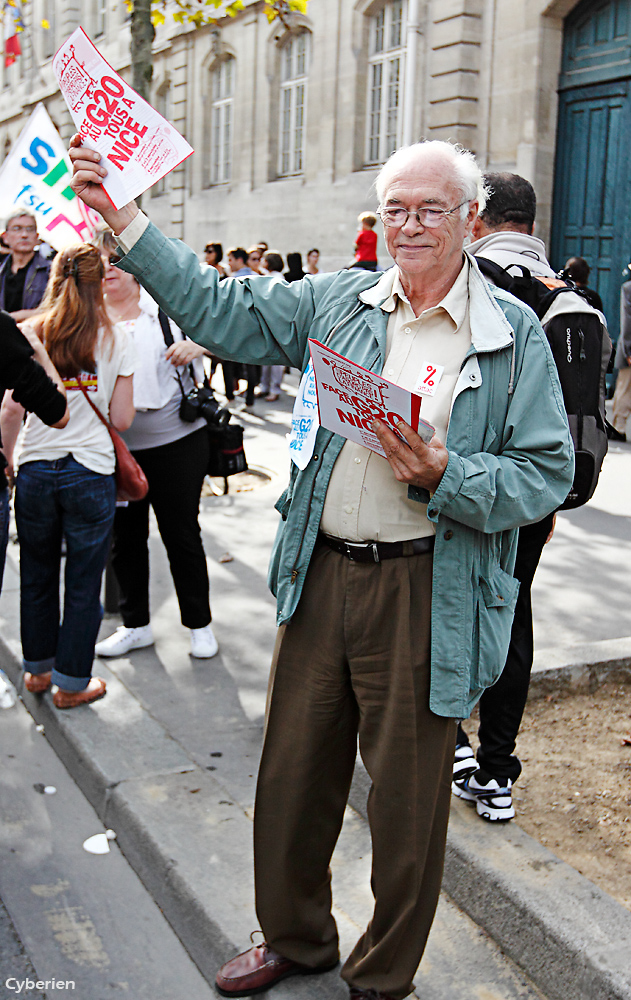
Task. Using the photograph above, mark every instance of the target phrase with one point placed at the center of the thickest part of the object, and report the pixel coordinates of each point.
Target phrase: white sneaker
(203, 643)
(124, 639)
(493, 801)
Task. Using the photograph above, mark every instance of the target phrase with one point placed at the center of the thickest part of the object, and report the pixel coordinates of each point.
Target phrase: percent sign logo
(429, 378)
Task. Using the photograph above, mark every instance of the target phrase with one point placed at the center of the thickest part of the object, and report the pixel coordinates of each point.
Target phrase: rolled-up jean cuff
(68, 683)
(39, 666)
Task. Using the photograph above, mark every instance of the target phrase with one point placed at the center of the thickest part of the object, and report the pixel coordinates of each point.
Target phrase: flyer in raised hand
(137, 144)
(351, 397)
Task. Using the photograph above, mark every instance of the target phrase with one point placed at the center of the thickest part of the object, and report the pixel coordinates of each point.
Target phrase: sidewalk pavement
(169, 760)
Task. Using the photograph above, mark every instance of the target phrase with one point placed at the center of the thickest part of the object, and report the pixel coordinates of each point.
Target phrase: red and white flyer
(137, 144)
(351, 397)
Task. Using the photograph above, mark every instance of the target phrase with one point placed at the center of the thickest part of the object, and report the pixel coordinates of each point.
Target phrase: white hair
(469, 177)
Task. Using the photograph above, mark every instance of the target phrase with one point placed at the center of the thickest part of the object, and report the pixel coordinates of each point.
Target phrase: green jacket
(511, 459)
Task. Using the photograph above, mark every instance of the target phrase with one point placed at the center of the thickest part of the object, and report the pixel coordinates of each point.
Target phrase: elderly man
(24, 272)
(393, 576)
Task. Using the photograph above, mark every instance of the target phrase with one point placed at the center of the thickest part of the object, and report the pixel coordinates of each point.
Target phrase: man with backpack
(511, 257)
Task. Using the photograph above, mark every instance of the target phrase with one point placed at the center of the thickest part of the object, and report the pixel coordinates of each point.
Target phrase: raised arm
(251, 320)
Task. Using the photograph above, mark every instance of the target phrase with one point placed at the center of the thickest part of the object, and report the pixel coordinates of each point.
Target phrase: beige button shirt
(364, 501)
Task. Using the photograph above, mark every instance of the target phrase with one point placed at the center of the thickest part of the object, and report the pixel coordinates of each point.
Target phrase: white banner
(137, 144)
(36, 176)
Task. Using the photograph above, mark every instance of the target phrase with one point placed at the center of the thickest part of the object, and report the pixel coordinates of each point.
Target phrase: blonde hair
(368, 219)
(72, 310)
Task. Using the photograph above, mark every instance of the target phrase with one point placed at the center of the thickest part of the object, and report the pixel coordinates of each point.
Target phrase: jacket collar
(490, 330)
(507, 247)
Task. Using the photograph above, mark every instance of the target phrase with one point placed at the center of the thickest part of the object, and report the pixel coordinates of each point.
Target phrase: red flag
(11, 50)
(12, 23)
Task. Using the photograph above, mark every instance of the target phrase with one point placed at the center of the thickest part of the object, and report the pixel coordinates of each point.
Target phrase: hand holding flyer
(137, 144)
(351, 397)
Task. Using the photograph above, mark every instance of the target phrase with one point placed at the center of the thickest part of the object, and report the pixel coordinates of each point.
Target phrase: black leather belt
(375, 552)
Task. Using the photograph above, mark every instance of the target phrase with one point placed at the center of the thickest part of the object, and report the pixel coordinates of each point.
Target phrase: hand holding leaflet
(138, 145)
(350, 398)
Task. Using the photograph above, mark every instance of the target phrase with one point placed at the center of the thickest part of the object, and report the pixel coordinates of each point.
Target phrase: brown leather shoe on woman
(70, 699)
(37, 683)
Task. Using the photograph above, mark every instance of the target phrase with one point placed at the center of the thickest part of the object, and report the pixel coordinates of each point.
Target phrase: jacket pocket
(497, 596)
(283, 503)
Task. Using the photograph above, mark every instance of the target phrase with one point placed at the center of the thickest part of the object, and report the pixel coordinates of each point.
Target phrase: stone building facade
(290, 123)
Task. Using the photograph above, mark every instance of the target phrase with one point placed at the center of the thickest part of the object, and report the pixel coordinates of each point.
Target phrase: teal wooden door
(592, 191)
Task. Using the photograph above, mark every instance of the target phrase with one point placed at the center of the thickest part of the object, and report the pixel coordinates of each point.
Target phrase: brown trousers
(353, 660)
(621, 405)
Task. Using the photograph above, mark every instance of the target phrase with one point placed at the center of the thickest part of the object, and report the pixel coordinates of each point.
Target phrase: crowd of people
(262, 381)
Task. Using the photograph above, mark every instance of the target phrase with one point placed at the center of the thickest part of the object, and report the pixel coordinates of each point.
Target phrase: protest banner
(351, 397)
(35, 177)
(137, 144)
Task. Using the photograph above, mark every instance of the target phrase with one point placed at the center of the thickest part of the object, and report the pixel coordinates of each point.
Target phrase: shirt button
(357, 460)
(432, 513)
(407, 330)
(348, 509)
(390, 371)
(472, 377)
(448, 535)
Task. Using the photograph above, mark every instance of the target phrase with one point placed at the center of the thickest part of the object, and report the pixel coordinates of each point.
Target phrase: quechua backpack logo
(581, 349)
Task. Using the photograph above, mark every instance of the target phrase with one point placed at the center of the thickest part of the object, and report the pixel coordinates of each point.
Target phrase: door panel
(592, 210)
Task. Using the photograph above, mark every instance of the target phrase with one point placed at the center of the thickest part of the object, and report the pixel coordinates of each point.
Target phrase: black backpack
(582, 350)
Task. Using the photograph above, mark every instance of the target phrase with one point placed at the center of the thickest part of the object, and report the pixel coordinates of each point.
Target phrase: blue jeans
(4, 529)
(55, 500)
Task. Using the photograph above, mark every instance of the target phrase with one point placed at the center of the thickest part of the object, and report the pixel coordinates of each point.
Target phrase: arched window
(294, 60)
(221, 121)
(386, 65)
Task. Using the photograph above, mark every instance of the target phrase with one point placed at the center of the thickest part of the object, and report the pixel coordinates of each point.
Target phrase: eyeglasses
(112, 259)
(22, 229)
(429, 218)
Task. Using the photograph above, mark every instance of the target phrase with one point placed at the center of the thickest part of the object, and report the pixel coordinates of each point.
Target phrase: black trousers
(502, 706)
(233, 371)
(175, 472)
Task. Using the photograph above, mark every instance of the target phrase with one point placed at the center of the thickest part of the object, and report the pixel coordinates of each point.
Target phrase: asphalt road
(66, 915)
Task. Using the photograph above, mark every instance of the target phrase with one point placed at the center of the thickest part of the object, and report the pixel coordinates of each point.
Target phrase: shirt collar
(390, 290)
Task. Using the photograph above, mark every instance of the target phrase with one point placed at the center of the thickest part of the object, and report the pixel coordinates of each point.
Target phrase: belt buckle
(364, 547)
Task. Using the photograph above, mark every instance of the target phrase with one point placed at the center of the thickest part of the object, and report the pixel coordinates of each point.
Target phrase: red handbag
(131, 482)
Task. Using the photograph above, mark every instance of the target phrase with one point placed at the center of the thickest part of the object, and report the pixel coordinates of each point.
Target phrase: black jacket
(31, 386)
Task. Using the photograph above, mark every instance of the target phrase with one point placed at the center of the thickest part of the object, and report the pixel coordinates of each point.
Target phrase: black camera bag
(227, 455)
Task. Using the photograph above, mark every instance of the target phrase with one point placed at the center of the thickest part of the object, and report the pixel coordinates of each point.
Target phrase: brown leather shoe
(258, 968)
(70, 699)
(37, 683)
(357, 994)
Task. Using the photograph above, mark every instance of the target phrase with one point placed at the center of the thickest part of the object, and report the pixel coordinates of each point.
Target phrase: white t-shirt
(84, 437)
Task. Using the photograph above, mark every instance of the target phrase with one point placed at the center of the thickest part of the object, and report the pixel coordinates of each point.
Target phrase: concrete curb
(580, 668)
(570, 937)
